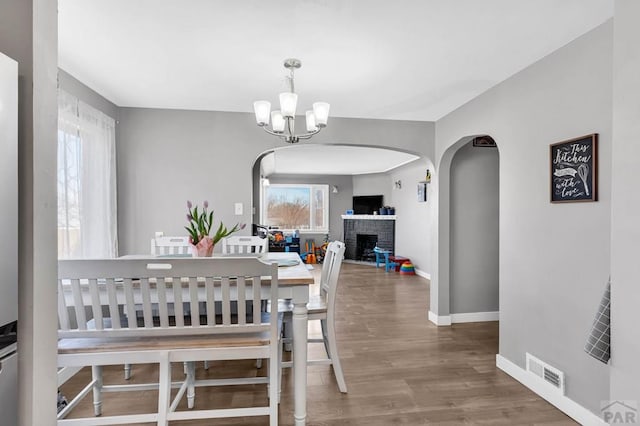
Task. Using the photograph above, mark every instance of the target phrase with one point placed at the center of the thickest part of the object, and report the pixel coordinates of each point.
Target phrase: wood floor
(400, 369)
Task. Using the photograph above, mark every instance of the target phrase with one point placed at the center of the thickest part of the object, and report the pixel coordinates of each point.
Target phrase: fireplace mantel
(369, 216)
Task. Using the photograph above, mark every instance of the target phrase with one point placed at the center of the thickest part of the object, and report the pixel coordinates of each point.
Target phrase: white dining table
(293, 283)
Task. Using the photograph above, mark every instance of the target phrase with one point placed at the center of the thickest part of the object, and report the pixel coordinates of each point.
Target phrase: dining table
(294, 279)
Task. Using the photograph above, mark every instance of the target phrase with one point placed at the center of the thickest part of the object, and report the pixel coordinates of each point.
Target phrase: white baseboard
(423, 274)
(475, 317)
(563, 403)
(439, 320)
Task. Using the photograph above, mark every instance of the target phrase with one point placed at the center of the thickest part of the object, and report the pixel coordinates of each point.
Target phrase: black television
(366, 204)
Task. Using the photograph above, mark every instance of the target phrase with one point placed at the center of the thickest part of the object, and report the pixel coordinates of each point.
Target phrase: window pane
(319, 208)
(86, 181)
(288, 207)
(69, 190)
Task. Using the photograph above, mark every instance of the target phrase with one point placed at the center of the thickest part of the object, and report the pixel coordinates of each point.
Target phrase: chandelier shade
(277, 121)
(261, 109)
(321, 111)
(283, 120)
(288, 103)
(311, 122)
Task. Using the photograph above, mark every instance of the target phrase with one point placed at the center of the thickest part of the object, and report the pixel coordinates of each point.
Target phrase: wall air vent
(545, 372)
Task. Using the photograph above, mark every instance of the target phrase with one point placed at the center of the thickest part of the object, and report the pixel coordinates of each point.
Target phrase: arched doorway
(413, 228)
(466, 287)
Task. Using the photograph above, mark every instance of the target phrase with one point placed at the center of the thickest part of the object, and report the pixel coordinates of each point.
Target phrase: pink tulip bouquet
(200, 224)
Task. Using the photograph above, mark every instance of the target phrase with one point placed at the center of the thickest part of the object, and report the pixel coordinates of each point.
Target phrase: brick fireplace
(360, 231)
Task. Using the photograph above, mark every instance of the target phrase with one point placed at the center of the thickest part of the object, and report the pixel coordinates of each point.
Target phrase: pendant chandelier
(283, 120)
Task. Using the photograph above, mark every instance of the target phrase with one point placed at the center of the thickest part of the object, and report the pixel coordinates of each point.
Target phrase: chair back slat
(329, 281)
(163, 309)
(130, 305)
(79, 304)
(114, 312)
(171, 295)
(194, 305)
(242, 299)
(327, 266)
(146, 302)
(226, 301)
(257, 291)
(211, 298)
(177, 301)
(96, 303)
(244, 245)
(63, 312)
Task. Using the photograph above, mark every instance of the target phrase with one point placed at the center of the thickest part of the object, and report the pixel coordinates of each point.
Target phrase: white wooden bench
(98, 326)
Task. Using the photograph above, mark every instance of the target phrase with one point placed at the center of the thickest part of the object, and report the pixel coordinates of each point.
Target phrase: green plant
(201, 222)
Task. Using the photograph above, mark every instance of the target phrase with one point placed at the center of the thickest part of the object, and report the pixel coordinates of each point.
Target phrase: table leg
(300, 334)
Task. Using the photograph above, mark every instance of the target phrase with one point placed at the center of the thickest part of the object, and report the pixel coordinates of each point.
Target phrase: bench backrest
(102, 298)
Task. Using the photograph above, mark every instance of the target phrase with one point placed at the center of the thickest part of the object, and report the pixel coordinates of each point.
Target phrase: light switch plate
(238, 208)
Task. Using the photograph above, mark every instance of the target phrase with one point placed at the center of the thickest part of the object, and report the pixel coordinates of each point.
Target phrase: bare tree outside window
(301, 207)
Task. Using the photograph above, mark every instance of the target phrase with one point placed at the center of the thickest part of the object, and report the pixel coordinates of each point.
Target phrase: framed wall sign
(484, 141)
(422, 191)
(574, 170)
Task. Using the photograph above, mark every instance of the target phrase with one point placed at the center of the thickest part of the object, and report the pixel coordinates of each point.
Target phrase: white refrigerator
(8, 240)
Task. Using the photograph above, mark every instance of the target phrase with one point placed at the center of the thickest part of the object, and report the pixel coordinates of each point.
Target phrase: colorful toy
(407, 269)
(384, 256)
(310, 258)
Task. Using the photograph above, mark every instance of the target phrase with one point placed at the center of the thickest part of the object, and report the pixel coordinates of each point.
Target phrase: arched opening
(474, 231)
(362, 175)
(466, 288)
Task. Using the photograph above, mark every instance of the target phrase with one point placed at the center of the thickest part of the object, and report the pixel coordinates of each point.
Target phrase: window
(86, 181)
(292, 206)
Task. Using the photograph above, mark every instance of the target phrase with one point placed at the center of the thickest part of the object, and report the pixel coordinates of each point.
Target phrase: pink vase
(204, 248)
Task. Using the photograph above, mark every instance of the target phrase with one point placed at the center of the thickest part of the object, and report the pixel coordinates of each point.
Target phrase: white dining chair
(163, 246)
(322, 307)
(244, 245)
(170, 245)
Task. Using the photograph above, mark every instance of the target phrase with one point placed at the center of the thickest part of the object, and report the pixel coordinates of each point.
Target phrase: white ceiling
(407, 60)
(410, 59)
(332, 160)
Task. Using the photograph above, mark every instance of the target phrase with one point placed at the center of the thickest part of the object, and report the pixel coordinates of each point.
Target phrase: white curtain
(87, 226)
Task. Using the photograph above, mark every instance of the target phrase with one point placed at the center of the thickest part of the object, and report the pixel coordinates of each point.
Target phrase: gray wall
(625, 233)
(338, 203)
(74, 87)
(374, 184)
(554, 258)
(166, 157)
(28, 34)
(415, 220)
(474, 230)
